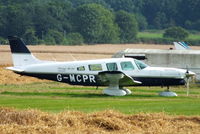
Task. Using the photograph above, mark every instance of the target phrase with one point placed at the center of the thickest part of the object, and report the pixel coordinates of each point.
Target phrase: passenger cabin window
(81, 68)
(95, 67)
(140, 64)
(111, 66)
(127, 66)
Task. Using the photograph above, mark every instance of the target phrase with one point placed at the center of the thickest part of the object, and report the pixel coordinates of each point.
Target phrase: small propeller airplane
(115, 73)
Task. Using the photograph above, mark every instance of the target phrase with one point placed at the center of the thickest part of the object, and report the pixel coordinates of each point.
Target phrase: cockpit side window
(81, 68)
(111, 66)
(95, 67)
(140, 64)
(127, 66)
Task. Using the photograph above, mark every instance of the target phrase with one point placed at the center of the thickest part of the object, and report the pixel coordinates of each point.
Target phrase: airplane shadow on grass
(74, 94)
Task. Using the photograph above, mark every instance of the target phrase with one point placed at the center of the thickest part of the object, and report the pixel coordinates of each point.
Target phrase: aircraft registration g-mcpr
(115, 73)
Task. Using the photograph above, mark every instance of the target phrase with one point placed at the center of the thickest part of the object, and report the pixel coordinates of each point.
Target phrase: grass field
(56, 97)
(159, 34)
(149, 35)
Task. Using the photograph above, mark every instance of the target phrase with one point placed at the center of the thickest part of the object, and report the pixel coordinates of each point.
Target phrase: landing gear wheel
(114, 92)
(127, 91)
(168, 93)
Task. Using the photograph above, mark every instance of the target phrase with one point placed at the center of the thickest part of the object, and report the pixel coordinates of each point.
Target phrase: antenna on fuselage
(73, 57)
(53, 58)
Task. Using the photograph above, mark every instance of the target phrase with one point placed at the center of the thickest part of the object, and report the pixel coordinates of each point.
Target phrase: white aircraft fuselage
(86, 72)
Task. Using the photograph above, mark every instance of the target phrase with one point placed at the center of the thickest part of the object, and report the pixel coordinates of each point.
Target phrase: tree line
(93, 21)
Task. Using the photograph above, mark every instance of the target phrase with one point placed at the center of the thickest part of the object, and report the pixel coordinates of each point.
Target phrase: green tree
(131, 6)
(176, 33)
(74, 39)
(14, 20)
(30, 37)
(43, 20)
(160, 13)
(195, 25)
(128, 26)
(61, 11)
(53, 37)
(96, 24)
(160, 20)
(3, 41)
(142, 22)
(189, 10)
(77, 3)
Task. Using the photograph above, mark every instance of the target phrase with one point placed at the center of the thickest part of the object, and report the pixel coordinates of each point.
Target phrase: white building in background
(166, 58)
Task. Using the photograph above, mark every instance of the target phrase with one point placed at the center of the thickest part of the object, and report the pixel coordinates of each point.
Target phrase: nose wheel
(168, 93)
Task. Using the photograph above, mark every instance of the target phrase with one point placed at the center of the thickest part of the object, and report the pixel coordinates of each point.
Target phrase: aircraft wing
(116, 77)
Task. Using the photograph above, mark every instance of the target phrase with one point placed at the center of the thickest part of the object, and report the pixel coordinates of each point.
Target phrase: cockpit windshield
(140, 64)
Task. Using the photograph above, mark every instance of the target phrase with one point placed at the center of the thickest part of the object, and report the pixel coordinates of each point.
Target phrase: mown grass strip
(56, 97)
(159, 35)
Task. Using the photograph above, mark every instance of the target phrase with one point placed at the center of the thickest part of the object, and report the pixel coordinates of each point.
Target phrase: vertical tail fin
(181, 46)
(20, 53)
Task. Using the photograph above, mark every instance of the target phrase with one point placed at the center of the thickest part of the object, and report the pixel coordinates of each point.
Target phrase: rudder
(17, 45)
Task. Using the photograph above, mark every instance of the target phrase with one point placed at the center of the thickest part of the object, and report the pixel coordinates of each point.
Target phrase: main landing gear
(114, 89)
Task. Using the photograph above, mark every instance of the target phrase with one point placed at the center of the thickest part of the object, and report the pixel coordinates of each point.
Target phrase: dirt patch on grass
(71, 122)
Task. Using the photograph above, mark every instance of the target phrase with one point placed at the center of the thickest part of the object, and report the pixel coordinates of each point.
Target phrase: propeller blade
(188, 86)
(188, 74)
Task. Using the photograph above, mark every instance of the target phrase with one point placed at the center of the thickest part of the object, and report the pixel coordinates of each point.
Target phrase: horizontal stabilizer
(15, 69)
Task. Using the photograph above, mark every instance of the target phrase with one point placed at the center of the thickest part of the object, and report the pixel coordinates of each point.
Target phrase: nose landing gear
(168, 93)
